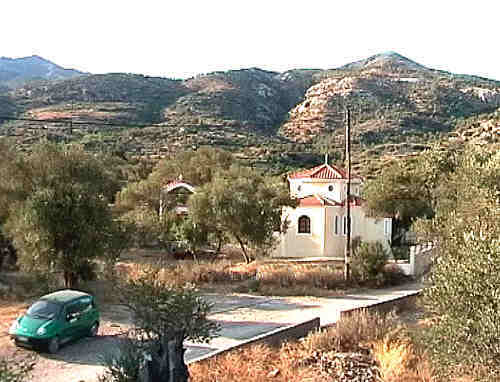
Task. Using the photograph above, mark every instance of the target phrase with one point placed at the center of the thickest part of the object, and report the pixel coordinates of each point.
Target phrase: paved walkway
(243, 317)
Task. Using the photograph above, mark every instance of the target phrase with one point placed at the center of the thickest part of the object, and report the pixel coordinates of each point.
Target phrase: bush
(125, 366)
(465, 289)
(299, 360)
(350, 331)
(464, 285)
(393, 275)
(368, 261)
(401, 252)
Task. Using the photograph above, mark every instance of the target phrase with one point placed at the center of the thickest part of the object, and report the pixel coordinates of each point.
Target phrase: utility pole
(71, 120)
(347, 253)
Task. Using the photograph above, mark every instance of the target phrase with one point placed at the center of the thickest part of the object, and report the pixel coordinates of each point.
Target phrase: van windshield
(44, 309)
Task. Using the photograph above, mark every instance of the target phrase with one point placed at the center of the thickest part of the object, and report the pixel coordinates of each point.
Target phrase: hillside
(392, 99)
(15, 72)
(278, 121)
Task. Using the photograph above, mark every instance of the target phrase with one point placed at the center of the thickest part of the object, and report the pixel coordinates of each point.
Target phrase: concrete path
(243, 317)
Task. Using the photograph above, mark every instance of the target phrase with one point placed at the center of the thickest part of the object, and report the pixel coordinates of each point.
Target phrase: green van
(55, 319)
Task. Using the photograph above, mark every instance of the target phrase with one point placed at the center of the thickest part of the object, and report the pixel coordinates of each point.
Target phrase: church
(317, 227)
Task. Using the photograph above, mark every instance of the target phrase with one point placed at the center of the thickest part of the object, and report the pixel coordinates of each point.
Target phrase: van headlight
(14, 327)
(41, 331)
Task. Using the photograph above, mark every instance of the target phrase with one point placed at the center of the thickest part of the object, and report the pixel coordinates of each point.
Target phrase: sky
(183, 38)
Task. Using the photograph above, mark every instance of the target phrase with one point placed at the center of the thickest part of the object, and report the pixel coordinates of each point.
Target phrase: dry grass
(286, 275)
(228, 273)
(293, 361)
(185, 272)
(267, 279)
(255, 364)
(400, 360)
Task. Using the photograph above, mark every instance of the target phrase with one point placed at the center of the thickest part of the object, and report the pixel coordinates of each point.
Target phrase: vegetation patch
(361, 346)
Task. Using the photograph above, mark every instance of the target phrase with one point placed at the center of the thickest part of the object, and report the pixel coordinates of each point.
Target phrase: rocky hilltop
(389, 95)
(250, 98)
(247, 99)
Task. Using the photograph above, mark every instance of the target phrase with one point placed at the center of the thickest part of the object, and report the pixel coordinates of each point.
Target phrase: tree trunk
(166, 364)
(178, 369)
(70, 279)
(245, 255)
(217, 251)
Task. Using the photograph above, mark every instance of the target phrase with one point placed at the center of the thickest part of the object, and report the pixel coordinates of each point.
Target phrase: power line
(70, 121)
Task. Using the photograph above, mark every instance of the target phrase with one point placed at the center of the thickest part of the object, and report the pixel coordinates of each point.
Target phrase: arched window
(304, 224)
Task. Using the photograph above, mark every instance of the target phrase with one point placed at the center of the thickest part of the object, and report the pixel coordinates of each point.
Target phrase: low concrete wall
(273, 338)
(385, 306)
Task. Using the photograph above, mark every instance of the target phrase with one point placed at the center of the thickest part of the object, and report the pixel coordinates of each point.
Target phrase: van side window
(73, 308)
(86, 304)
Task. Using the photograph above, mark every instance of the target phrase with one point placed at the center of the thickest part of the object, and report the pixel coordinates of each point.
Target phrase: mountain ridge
(15, 72)
(395, 102)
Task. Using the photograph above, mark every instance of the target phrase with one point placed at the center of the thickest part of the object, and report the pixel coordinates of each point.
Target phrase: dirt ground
(81, 361)
(78, 361)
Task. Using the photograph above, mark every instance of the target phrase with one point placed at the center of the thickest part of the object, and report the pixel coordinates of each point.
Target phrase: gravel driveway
(241, 316)
(76, 361)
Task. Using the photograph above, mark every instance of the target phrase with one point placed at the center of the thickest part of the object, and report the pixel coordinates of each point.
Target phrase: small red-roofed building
(317, 226)
(174, 195)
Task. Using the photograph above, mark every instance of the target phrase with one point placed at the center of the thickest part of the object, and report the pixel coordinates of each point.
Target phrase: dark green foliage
(368, 261)
(56, 212)
(242, 206)
(410, 189)
(164, 315)
(464, 287)
(124, 366)
(398, 192)
(401, 252)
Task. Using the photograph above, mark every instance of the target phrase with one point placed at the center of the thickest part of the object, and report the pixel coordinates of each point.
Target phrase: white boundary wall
(421, 256)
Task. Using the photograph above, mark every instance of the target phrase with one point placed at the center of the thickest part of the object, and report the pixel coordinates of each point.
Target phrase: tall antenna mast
(347, 253)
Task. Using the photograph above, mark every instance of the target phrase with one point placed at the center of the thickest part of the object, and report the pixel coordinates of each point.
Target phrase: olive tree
(139, 202)
(465, 282)
(164, 316)
(242, 206)
(411, 188)
(59, 218)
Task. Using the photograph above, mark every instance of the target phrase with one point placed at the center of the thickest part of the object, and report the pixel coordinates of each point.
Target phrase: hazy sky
(183, 38)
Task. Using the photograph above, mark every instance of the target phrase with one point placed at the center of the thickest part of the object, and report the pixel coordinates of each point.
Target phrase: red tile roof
(355, 201)
(316, 200)
(177, 184)
(319, 201)
(324, 171)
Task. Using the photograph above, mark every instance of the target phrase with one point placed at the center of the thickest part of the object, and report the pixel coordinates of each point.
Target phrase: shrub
(394, 275)
(368, 261)
(296, 360)
(400, 359)
(125, 366)
(465, 290)
(401, 252)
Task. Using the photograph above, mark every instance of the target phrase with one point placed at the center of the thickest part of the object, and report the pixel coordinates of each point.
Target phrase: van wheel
(94, 329)
(53, 345)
